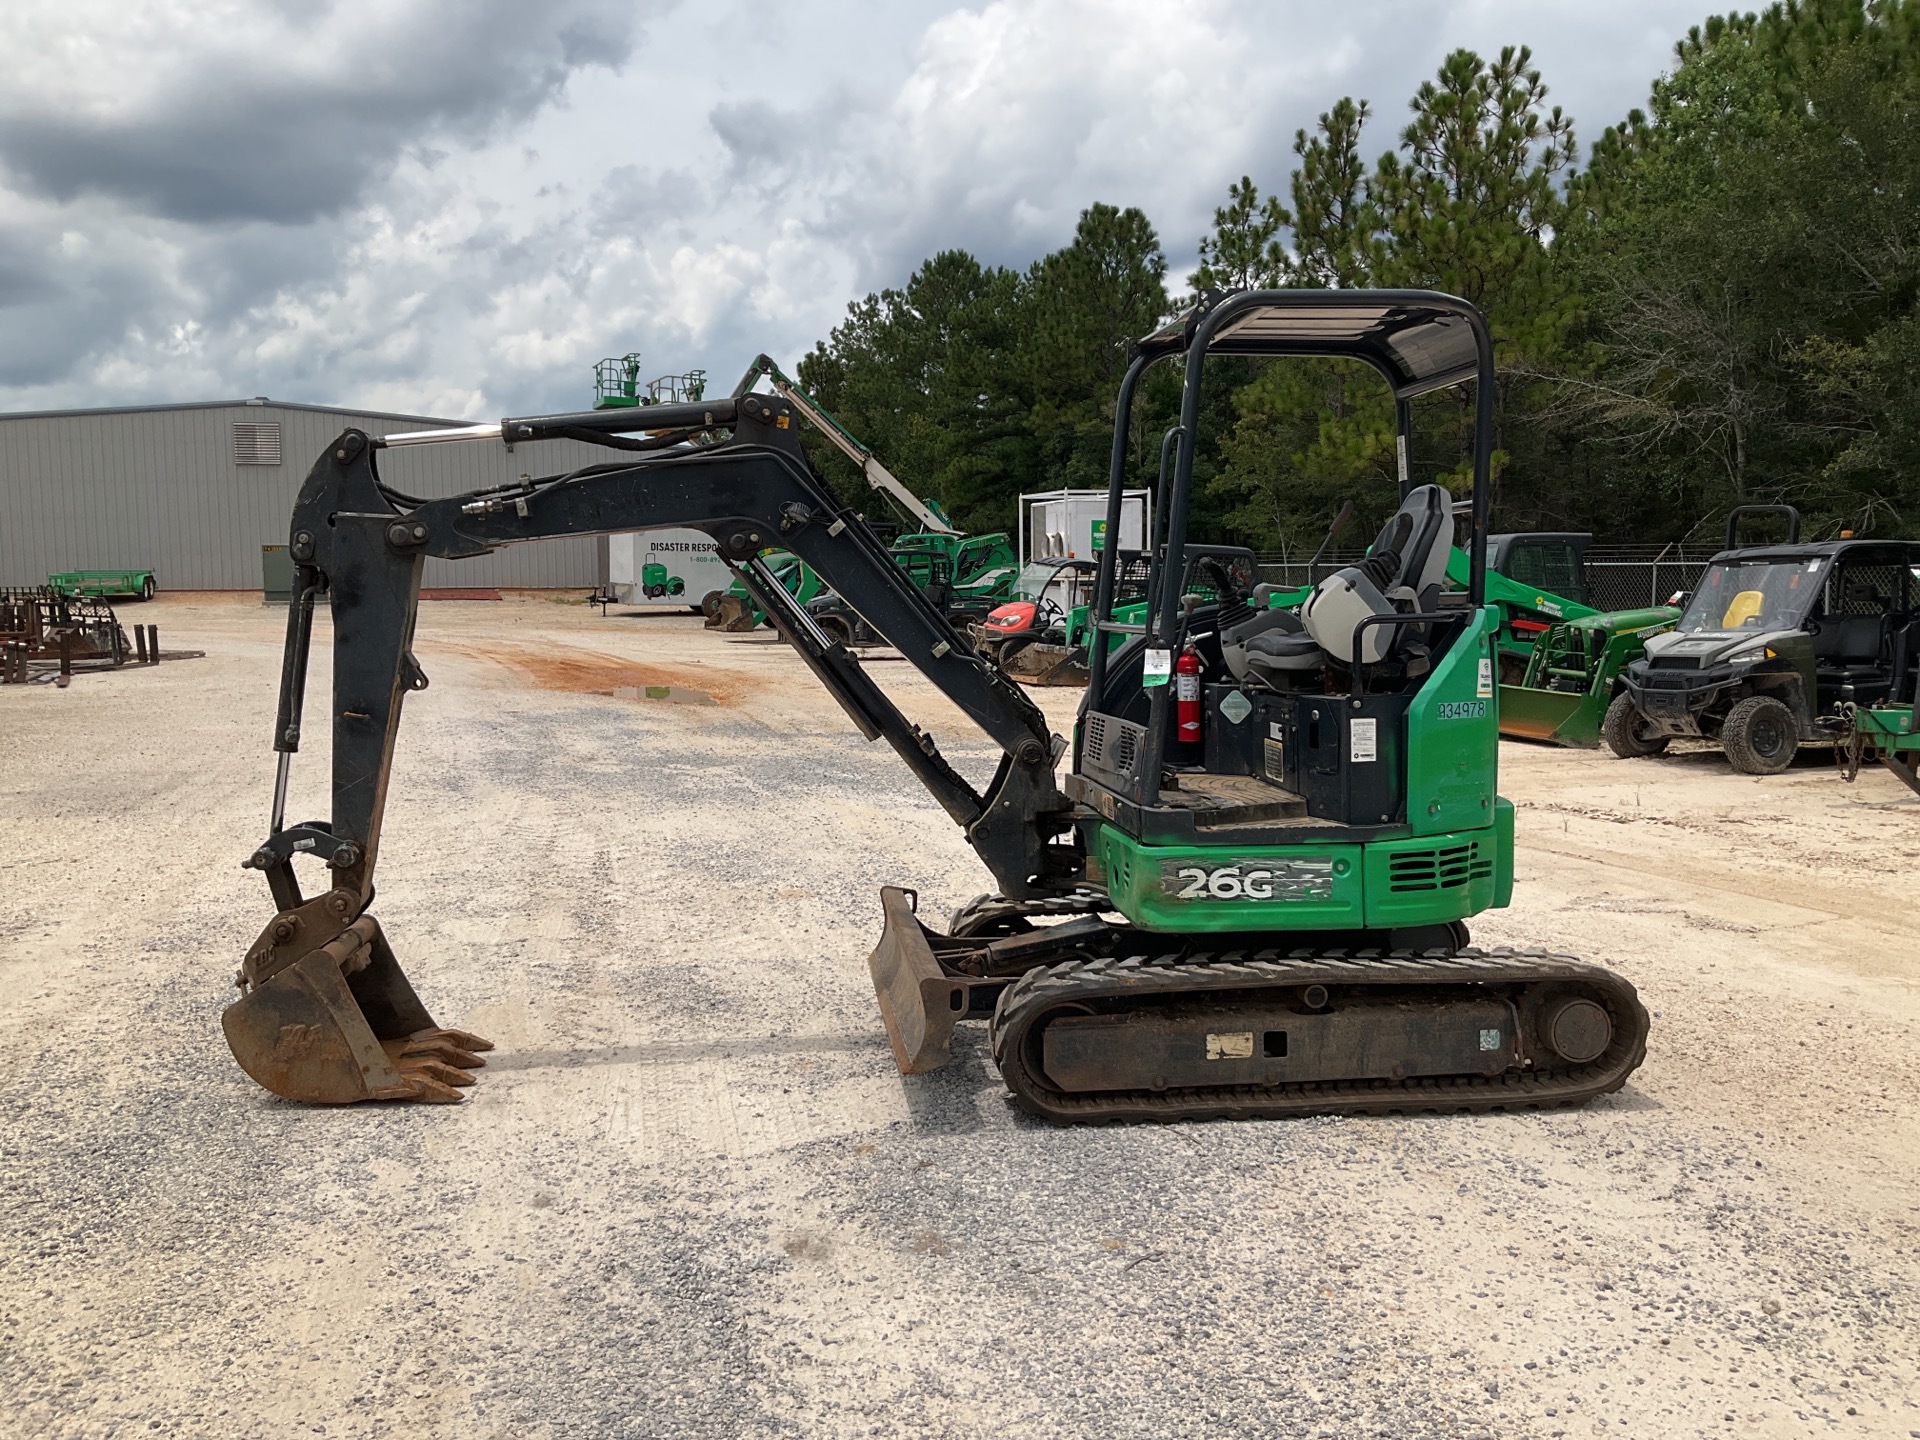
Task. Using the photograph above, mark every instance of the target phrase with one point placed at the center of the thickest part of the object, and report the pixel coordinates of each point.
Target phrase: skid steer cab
(1247, 894)
(1777, 647)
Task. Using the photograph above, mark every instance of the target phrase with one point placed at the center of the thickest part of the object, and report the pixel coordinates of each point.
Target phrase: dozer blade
(920, 1001)
(732, 613)
(341, 1024)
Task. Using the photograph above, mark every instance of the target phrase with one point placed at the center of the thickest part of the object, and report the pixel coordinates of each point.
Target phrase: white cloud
(456, 206)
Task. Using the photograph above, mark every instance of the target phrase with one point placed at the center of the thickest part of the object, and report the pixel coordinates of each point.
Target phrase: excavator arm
(326, 1013)
(846, 442)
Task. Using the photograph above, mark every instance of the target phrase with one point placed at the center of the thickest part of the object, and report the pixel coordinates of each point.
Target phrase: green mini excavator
(1240, 889)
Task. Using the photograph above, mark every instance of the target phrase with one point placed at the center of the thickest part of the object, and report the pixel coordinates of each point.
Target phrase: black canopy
(1418, 340)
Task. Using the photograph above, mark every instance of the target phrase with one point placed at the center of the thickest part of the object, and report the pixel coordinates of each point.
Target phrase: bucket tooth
(341, 1024)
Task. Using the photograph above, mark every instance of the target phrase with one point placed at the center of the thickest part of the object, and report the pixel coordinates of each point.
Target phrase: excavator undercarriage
(1264, 919)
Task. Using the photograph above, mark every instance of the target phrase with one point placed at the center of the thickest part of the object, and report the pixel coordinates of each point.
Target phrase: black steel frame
(362, 545)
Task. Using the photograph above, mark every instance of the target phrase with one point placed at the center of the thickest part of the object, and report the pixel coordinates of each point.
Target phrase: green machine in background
(656, 582)
(617, 385)
(1572, 674)
(1889, 734)
(1559, 659)
(733, 609)
(978, 570)
(135, 584)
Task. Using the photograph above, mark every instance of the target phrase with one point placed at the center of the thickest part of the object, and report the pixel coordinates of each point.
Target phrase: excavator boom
(326, 1013)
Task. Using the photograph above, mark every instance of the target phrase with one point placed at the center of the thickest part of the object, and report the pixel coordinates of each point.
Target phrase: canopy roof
(1419, 340)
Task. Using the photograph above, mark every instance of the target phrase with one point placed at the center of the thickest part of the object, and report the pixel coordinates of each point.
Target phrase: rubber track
(1030, 998)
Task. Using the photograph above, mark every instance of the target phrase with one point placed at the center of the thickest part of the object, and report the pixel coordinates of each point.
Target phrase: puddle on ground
(561, 667)
(672, 694)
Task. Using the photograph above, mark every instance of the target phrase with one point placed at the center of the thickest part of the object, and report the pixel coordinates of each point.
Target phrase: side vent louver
(1111, 744)
(1447, 868)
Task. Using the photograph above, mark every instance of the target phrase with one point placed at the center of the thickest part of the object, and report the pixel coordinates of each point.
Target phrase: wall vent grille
(256, 442)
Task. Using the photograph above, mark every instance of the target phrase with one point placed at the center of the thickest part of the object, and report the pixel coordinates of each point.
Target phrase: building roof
(257, 402)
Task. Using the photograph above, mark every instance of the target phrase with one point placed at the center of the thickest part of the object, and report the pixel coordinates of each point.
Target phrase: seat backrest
(1854, 639)
(1420, 535)
(1403, 570)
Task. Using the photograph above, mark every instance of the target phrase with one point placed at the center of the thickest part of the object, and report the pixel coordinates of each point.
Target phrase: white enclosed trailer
(1072, 524)
(668, 568)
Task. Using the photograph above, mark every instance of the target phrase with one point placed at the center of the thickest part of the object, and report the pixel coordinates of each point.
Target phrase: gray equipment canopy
(1416, 343)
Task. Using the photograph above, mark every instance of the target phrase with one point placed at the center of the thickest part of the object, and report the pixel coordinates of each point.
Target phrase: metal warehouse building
(193, 491)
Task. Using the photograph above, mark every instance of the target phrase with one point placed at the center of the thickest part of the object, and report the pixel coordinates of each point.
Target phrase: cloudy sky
(453, 207)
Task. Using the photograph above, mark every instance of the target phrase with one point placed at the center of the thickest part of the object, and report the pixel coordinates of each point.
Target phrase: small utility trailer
(100, 584)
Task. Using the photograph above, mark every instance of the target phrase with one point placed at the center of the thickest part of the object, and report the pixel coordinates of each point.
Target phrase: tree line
(1717, 304)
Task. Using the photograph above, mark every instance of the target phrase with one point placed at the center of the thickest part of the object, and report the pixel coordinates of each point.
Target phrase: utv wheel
(1759, 736)
(836, 629)
(1627, 733)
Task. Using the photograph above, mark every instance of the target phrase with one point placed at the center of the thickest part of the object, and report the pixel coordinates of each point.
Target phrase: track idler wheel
(337, 1022)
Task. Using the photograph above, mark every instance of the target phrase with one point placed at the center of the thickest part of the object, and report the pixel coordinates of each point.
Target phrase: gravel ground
(691, 1197)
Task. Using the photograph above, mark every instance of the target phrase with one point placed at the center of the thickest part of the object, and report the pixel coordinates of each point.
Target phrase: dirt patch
(585, 672)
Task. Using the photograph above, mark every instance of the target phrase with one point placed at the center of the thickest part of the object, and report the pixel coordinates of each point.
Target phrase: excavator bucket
(1566, 718)
(340, 1023)
(731, 613)
(920, 1001)
(1042, 664)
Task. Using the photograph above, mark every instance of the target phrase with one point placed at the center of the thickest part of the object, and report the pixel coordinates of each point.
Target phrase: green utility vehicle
(103, 584)
(1780, 646)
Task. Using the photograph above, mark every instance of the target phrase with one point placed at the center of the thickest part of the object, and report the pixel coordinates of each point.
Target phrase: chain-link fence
(1628, 584)
(1291, 574)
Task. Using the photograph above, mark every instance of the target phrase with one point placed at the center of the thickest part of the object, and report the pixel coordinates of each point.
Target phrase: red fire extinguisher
(1186, 695)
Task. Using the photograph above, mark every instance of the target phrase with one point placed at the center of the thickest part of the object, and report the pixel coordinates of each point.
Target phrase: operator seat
(1402, 573)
